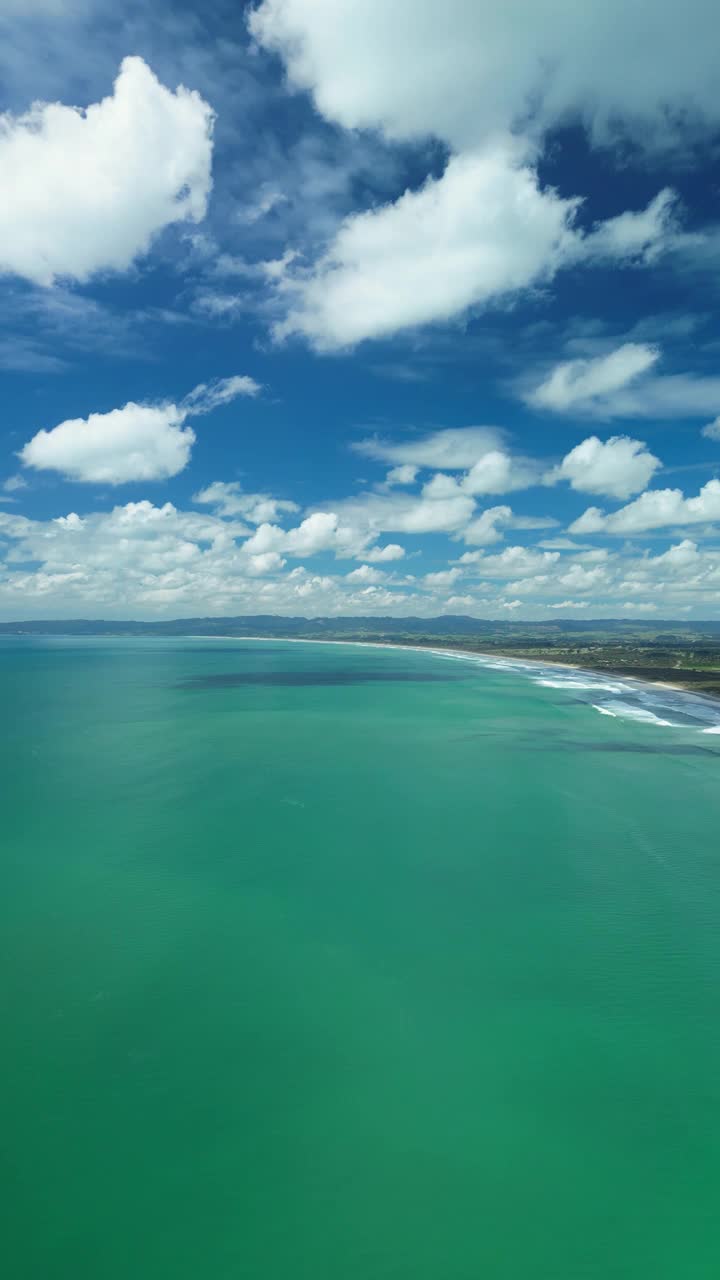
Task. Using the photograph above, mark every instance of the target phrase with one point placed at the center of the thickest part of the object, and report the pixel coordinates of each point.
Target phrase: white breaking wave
(568, 683)
(694, 712)
(633, 703)
(627, 712)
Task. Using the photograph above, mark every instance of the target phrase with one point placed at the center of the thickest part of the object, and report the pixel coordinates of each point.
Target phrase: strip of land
(679, 666)
(680, 653)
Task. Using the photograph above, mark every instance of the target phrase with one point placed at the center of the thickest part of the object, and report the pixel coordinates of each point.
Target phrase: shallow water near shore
(330, 961)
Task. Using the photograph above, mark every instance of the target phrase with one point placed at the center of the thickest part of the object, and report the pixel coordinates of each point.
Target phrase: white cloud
(443, 578)
(380, 555)
(621, 384)
(617, 468)
(499, 472)
(678, 395)
(218, 304)
(138, 558)
(592, 520)
(488, 527)
(436, 510)
(491, 469)
(477, 236)
(581, 382)
(480, 233)
(321, 531)
(138, 535)
(143, 560)
(461, 602)
(228, 499)
(365, 573)
(637, 236)
(435, 514)
(517, 561)
(563, 544)
(375, 599)
(267, 200)
(464, 69)
(441, 486)
(655, 509)
(86, 191)
(712, 430)
(13, 483)
(452, 449)
(578, 578)
(484, 530)
(534, 522)
(489, 81)
(136, 442)
(680, 557)
(267, 562)
(529, 586)
(406, 474)
(210, 395)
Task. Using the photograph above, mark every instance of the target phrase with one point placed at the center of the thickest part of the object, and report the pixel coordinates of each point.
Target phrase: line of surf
(568, 677)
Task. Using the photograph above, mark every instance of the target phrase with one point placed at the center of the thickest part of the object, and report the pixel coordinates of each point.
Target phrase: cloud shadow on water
(297, 679)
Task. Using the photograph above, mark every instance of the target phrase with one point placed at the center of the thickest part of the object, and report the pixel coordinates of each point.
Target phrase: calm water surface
(329, 963)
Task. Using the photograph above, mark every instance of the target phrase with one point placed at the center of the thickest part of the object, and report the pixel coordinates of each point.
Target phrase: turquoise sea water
(334, 963)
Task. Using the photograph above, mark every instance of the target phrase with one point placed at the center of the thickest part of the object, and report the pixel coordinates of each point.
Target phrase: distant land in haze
(679, 652)
(279, 624)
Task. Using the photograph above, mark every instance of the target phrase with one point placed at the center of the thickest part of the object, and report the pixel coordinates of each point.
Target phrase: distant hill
(664, 631)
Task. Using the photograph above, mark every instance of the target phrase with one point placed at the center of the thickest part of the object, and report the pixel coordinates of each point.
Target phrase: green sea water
(330, 963)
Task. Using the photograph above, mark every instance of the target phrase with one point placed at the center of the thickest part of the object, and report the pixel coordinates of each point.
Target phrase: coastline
(642, 681)
(635, 681)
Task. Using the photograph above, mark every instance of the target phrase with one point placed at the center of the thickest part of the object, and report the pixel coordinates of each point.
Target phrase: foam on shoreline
(642, 701)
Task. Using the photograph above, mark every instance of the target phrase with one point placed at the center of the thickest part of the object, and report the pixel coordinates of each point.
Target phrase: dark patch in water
(294, 679)
(220, 652)
(655, 748)
(633, 748)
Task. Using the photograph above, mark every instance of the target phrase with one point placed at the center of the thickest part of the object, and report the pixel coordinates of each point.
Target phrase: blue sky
(325, 307)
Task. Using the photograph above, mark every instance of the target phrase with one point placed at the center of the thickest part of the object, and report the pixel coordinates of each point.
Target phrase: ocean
(325, 962)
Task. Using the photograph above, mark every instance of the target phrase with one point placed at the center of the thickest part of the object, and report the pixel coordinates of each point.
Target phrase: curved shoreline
(523, 663)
